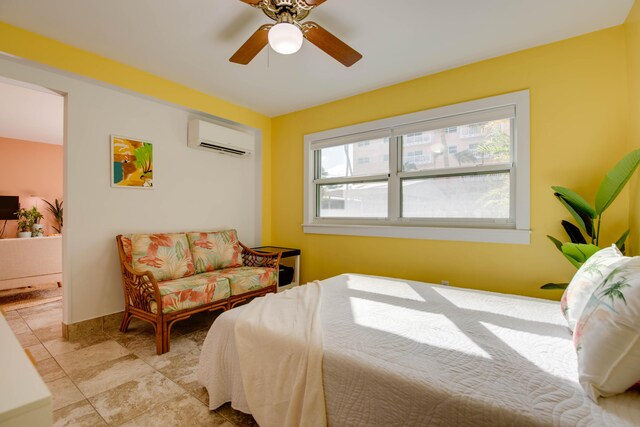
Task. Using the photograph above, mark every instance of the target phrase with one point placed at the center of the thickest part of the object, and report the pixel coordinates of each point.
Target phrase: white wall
(193, 190)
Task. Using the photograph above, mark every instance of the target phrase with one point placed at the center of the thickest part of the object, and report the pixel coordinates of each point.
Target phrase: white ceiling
(30, 113)
(190, 41)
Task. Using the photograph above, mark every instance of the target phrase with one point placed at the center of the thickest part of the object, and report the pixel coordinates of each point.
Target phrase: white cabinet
(25, 400)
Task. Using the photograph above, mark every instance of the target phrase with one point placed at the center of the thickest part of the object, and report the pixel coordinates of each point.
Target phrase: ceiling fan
(287, 34)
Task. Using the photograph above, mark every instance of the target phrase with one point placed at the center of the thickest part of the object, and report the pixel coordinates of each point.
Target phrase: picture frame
(131, 162)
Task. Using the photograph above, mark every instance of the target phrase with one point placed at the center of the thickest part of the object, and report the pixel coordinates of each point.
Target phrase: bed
(398, 352)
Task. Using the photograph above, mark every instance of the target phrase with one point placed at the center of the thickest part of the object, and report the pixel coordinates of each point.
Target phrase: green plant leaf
(615, 180)
(575, 200)
(578, 253)
(556, 242)
(621, 242)
(573, 232)
(582, 218)
(555, 286)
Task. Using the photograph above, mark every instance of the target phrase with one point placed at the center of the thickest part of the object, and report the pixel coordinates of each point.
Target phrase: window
(419, 175)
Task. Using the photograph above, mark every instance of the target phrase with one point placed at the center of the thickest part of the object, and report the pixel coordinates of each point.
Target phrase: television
(8, 207)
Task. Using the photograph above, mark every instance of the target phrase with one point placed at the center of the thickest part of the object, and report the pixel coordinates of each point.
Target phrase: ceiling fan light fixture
(285, 38)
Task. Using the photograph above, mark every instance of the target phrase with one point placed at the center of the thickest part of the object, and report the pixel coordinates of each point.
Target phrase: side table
(290, 258)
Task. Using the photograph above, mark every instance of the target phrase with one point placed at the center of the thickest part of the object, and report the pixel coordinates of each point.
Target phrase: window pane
(466, 196)
(366, 200)
(484, 143)
(357, 159)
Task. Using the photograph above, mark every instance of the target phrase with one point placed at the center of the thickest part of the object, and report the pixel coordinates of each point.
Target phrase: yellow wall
(31, 46)
(632, 29)
(580, 110)
(579, 129)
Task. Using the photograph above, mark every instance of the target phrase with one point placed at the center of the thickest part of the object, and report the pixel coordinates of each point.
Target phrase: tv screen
(8, 207)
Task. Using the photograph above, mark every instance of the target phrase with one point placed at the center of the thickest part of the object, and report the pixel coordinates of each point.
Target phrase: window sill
(486, 235)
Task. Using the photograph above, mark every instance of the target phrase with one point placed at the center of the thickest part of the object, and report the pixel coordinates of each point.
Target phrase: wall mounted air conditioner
(219, 139)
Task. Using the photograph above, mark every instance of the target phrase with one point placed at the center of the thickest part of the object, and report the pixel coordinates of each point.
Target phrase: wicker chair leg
(126, 319)
(159, 337)
(165, 339)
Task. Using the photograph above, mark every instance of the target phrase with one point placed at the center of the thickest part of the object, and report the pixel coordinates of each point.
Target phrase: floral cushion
(215, 251)
(590, 274)
(607, 335)
(246, 279)
(193, 291)
(167, 256)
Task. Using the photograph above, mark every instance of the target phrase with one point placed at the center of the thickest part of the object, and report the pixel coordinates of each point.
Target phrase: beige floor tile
(27, 339)
(41, 308)
(202, 395)
(38, 352)
(10, 315)
(179, 345)
(80, 414)
(43, 319)
(64, 392)
(61, 346)
(184, 411)
(91, 356)
(18, 326)
(197, 336)
(237, 418)
(49, 333)
(181, 369)
(100, 378)
(49, 369)
(135, 397)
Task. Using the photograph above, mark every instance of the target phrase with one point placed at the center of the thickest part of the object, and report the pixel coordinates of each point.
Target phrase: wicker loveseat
(169, 277)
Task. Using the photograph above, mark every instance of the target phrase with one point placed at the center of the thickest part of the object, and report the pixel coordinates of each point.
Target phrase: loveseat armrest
(251, 258)
(141, 289)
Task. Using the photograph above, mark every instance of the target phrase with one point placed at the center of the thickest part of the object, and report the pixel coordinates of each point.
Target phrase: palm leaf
(573, 232)
(615, 180)
(555, 286)
(556, 242)
(620, 243)
(578, 253)
(579, 208)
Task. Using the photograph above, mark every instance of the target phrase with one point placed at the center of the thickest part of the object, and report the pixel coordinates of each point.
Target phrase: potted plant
(25, 222)
(585, 236)
(56, 210)
(37, 229)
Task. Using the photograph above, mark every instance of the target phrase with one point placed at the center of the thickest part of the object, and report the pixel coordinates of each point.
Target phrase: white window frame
(516, 231)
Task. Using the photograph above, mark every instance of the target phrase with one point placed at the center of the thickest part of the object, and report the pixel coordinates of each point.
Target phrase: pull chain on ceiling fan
(287, 34)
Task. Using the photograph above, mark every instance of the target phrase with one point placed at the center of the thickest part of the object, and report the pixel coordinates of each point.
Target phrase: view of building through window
(441, 174)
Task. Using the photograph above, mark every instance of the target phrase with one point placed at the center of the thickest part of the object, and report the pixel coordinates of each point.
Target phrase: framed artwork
(131, 163)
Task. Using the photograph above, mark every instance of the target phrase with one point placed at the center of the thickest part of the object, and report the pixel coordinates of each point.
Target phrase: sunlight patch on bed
(388, 287)
(542, 350)
(505, 305)
(423, 327)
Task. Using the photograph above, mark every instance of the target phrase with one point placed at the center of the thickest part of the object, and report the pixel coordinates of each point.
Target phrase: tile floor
(117, 379)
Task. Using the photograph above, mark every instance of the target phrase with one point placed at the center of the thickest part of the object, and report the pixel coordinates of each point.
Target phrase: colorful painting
(132, 163)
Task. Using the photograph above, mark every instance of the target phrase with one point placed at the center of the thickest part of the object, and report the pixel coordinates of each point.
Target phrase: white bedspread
(398, 352)
(279, 345)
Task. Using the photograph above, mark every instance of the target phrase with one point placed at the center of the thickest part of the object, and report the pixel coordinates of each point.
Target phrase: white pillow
(590, 274)
(607, 335)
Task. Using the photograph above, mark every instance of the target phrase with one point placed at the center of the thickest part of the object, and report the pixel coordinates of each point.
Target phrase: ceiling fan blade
(251, 2)
(315, 3)
(252, 46)
(332, 45)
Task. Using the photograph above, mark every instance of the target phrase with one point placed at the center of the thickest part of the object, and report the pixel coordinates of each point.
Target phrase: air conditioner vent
(220, 139)
(223, 149)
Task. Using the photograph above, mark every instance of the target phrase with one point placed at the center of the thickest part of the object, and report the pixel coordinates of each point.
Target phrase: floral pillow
(607, 335)
(215, 251)
(590, 274)
(167, 256)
